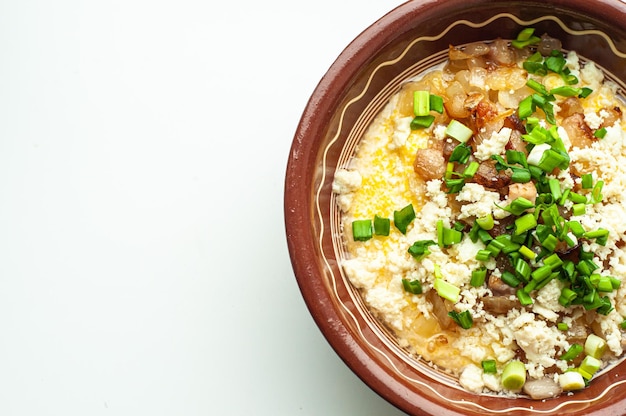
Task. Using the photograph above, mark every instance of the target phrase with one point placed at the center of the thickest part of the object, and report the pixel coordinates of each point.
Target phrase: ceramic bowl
(400, 45)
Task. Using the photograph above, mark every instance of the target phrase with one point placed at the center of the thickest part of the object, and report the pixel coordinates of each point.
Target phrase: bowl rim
(300, 171)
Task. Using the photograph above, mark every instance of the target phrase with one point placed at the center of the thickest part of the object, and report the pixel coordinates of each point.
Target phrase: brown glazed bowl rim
(335, 308)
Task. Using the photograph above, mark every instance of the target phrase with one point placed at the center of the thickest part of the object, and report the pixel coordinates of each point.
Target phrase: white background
(143, 262)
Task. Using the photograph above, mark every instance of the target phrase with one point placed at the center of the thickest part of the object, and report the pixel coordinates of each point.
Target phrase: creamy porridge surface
(483, 217)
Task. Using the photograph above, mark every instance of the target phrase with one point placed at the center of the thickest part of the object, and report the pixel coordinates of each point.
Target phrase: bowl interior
(401, 45)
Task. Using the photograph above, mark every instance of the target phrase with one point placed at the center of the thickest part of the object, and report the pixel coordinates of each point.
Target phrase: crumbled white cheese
(610, 325)
(472, 378)
(401, 132)
(539, 342)
(492, 382)
(388, 303)
(439, 131)
(346, 181)
(593, 120)
(572, 62)
(481, 201)
(435, 194)
(591, 75)
(548, 296)
(494, 145)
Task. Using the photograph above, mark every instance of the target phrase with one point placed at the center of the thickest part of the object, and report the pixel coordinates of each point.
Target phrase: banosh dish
(402, 45)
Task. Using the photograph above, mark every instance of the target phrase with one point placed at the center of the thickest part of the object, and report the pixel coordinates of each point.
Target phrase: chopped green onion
(524, 297)
(570, 79)
(534, 64)
(489, 366)
(595, 346)
(541, 273)
(524, 223)
(522, 269)
(586, 376)
(403, 217)
(556, 62)
(573, 351)
(520, 176)
(459, 131)
(537, 86)
(590, 365)
(454, 185)
(471, 169)
(577, 198)
(451, 236)
(555, 188)
(412, 286)
(362, 230)
(422, 122)
(484, 236)
(579, 209)
(513, 375)
(478, 277)
(562, 326)
(495, 247)
(553, 261)
(437, 272)
(449, 170)
(463, 319)
(545, 281)
(507, 244)
(615, 282)
(552, 159)
(381, 225)
(550, 242)
(419, 249)
(599, 233)
(564, 197)
(576, 228)
(526, 108)
(447, 236)
(536, 153)
(567, 296)
(421, 103)
(566, 91)
(604, 284)
(483, 255)
(605, 307)
(436, 103)
(600, 133)
(587, 181)
(440, 228)
(525, 38)
(486, 222)
(461, 153)
(525, 34)
(459, 226)
(528, 253)
(519, 205)
(518, 44)
(510, 279)
(585, 92)
(447, 290)
(515, 156)
(571, 380)
(596, 192)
